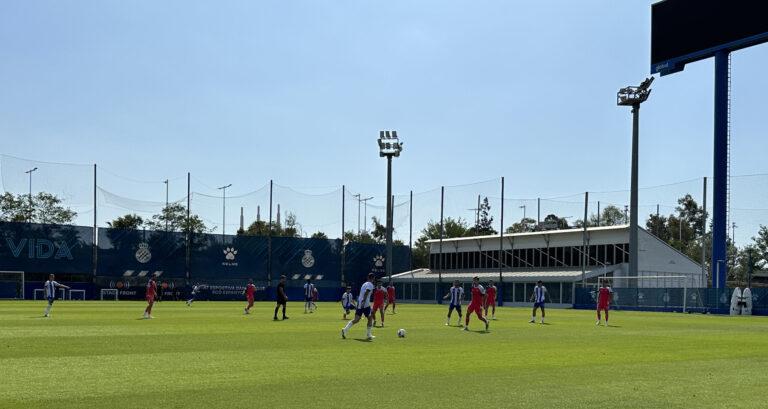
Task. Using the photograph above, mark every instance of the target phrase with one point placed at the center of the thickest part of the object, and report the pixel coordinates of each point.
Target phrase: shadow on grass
(363, 340)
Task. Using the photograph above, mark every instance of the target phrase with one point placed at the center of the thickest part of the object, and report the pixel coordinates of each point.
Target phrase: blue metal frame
(677, 64)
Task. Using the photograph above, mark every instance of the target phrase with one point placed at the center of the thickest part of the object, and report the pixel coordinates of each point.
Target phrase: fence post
(343, 245)
(501, 248)
(269, 239)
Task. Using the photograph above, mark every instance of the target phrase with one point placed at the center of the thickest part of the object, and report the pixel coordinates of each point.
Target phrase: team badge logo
(143, 255)
(230, 253)
(308, 260)
(378, 261)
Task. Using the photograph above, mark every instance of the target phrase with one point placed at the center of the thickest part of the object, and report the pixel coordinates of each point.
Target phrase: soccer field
(101, 354)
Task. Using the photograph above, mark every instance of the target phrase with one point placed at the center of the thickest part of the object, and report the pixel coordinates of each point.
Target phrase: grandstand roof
(537, 233)
(547, 275)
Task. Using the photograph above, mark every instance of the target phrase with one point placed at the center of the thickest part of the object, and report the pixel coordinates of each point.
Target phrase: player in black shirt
(282, 298)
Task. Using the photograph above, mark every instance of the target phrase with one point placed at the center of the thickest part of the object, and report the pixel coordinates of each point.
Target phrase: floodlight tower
(634, 96)
(389, 146)
(29, 172)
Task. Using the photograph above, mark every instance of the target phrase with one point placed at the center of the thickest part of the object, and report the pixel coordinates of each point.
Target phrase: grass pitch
(101, 354)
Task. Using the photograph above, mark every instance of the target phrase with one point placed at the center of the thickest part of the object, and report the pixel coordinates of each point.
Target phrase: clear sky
(246, 91)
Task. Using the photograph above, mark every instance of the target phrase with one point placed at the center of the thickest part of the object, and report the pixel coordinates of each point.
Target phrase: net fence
(330, 211)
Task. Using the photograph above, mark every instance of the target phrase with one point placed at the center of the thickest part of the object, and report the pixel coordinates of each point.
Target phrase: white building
(556, 257)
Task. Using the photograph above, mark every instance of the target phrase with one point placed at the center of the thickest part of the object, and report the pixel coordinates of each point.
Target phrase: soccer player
(379, 295)
(150, 296)
(315, 297)
(476, 304)
(282, 298)
(195, 289)
(308, 294)
(538, 297)
(363, 308)
(347, 302)
(390, 297)
(249, 292)
(490, 300)
(604, 296)
(50, 293)
(456, 294)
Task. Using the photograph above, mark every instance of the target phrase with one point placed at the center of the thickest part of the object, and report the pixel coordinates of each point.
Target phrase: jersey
(539, 294)
(477, 295)
(457, 294)
(309, 290)
(391, 293)
(250, 289)
(604, 296)
(281, 295)
(491, 294)
(378, 296)
(50, 288)
(346, 299)
(362, 300)
(151, 289)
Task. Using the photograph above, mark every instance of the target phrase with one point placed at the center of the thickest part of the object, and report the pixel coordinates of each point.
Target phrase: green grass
(100, 354)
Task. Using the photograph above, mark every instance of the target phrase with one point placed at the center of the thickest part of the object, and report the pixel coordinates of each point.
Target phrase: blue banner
(138, 253)
(46, 248)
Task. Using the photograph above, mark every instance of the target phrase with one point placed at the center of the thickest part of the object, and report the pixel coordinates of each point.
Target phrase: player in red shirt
(604, 296)
(476, 305)
(250, 290)
(390, 297)
(379, 295)
(150, 295)
(490, 300)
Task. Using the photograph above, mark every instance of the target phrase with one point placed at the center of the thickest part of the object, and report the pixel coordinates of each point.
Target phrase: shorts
(249, 299)
(390, 300)
(602, 306)
(377, 307)
(538, 305)
(150, 299)
(281, 302)
(476, 308)
(456, 307)
(348, 308)
(363, 311)
(51, 300)
(490, 301)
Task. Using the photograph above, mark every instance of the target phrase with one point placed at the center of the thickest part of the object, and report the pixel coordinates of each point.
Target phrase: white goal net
(662, 292)
(12, 285)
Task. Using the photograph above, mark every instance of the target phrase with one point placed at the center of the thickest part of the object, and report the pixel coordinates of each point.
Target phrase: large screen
(689, 30)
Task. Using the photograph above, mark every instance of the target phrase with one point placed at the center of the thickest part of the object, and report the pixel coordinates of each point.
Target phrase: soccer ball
(401, 333)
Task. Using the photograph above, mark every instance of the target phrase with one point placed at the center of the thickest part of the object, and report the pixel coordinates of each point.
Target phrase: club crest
(308, 260)
(143, 255)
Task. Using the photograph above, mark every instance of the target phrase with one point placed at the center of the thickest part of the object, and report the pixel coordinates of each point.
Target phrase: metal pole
(188, 229)
(440, 256)
(389, 217)
(410, 232)
(703, 233)
(720, 182)
(358, 212)
(95, 227)
(584, 242)
(269, 239)
(166, 203)
(633, 243)
(343, 215)
(538, 210)
(598, 213)
(501, 245)
(658, 221)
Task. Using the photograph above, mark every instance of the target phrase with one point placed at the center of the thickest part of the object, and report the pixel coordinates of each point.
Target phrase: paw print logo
(230, 253)
(378, 261)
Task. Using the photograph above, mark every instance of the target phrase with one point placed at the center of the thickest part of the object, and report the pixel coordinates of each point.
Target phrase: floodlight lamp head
(389, 144)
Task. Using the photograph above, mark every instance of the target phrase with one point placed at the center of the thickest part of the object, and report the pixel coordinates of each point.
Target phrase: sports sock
(349, 325)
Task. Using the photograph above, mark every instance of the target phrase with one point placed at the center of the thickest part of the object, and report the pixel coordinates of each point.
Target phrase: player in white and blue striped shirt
(348, 302)
(50, 293)
(538, 297)
(309, 292)
(456, 294)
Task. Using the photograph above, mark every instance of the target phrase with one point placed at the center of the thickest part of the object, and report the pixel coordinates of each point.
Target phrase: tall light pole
(634, 96)
(365, 212)
(357, 196)
(522, 207)
(166, 204)
(389, 146)
(29, 213)
(224, 211)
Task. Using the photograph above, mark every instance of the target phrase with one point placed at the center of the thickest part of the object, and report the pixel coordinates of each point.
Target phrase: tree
(44, 208)
(129, 221)
(175, 217)
(484, 224)
(562, 222)
(319, 235)
(609, 216)
(451, 228)
(524, 225)
(292, 227)
(379, 232)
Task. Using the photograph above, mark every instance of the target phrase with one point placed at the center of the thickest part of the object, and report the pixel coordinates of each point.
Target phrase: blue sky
(242, 92)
